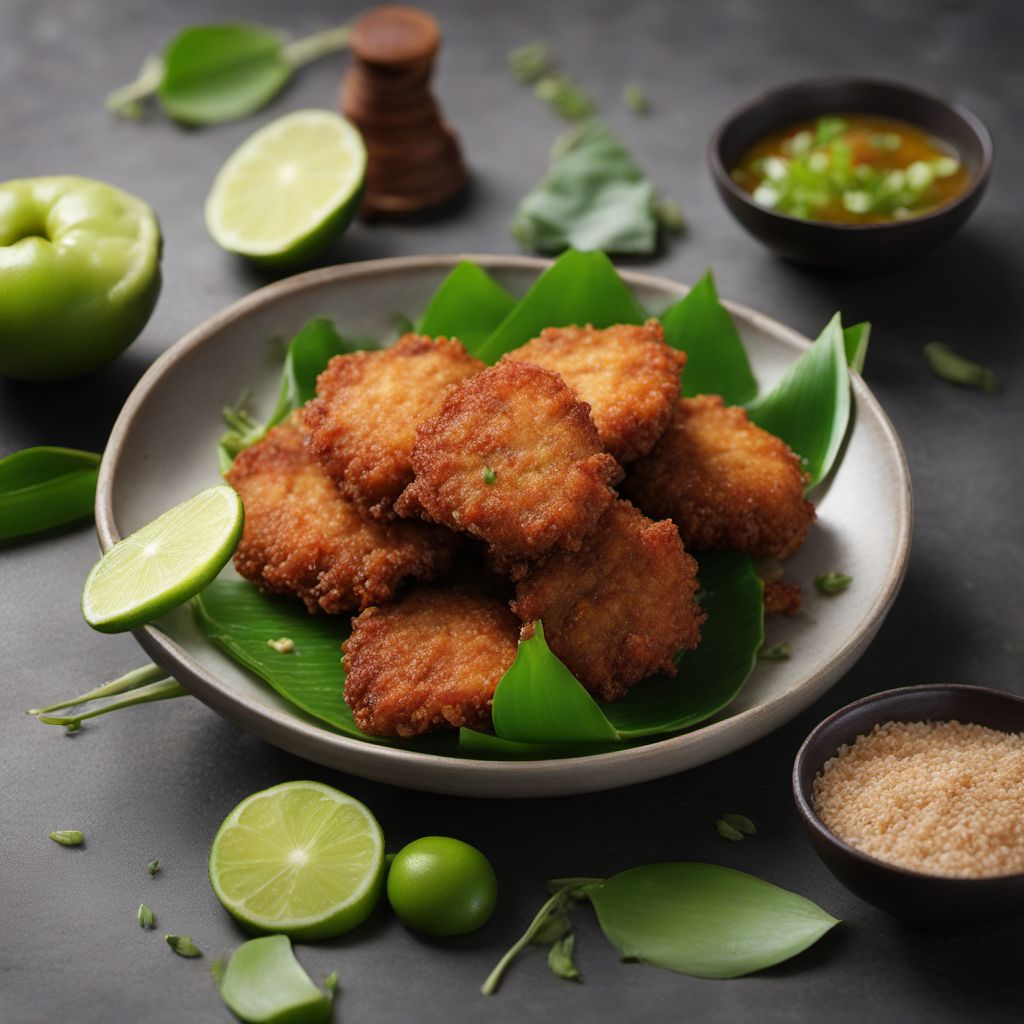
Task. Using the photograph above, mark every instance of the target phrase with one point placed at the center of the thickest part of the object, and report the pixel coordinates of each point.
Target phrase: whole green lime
(442, 886)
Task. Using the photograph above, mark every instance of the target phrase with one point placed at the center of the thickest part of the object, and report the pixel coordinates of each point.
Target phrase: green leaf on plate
(593, 197)
(579, 288)
(855, 339)
(483, 746)
(704, 920)
(218, 73)
(810, 407)
(716, 362)
(710, 677)
(240, 620)
(468, 305)
(44, 487)
(263, 982)
(538, 700)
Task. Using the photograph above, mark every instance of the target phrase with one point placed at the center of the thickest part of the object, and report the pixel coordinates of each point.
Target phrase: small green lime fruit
(442, 886)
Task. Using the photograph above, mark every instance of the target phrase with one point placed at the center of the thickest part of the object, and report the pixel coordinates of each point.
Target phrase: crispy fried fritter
(362, 425)
(512, 457)
(430, 661)
(626, 374)
(782, 597)
(303, 537)
(724, 481)
(620, 608)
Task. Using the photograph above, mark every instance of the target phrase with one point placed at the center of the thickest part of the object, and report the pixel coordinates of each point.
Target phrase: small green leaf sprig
(68, 837)
(183, 945)
(947, 365)
(735, 827)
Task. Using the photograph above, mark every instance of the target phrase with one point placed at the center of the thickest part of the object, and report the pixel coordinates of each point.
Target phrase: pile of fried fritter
(418, 465)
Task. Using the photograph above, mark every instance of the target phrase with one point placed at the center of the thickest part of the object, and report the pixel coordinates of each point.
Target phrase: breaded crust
(626, 374)
(782, 597)
(622, 607)
(521, 428)
(362, 425)
(430, 661)
(303, 537)
(725, 482)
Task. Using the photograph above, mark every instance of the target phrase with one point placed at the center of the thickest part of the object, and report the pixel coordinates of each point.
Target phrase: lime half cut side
(289, 188)
(301, 858)
(164, 563)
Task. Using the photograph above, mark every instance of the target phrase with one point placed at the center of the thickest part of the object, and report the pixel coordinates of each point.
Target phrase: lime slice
(300, 858)
(289, 188)
(165, 563)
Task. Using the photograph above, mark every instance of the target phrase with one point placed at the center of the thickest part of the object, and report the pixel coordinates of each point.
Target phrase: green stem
(300, 52)
(130, 681)
(551, 905)
(165, 689)
(126, 101)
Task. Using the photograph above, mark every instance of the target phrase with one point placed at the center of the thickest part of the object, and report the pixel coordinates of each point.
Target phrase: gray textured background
(157, 781)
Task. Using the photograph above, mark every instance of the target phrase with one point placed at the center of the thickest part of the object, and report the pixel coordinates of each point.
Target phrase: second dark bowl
(850, 246)
(932, 899)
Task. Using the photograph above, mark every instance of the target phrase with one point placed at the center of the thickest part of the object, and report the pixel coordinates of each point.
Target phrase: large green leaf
(468, 305)
(810, 407)
(710, 677)
(240, 620)
(716, 362)
(705, 920)
(41, 488)
(855, 339)
(538, 700)
(579, 288)
(486, 747)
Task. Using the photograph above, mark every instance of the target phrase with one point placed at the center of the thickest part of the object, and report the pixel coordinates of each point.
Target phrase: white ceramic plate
(163, 450)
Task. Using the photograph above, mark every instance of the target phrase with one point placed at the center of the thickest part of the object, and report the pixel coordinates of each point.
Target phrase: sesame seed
(943, 798)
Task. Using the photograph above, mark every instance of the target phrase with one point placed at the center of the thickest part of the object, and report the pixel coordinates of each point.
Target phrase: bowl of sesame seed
(914, 799)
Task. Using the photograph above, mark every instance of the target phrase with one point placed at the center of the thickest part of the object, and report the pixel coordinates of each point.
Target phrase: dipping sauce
(943, 798)
(851, 169)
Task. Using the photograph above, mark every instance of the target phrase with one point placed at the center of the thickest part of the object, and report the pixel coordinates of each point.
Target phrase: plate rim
(204, 684)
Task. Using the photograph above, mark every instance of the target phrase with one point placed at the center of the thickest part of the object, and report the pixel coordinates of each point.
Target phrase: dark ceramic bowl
(850, 246)
(912, 895)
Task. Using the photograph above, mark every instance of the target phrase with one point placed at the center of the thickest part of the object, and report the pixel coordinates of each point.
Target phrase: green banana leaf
(855, 339)
(716, 362)
(810, 407)
(468, 305)
(578, 288)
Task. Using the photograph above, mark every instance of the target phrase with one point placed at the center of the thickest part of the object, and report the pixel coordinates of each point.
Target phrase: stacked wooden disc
(414, 159)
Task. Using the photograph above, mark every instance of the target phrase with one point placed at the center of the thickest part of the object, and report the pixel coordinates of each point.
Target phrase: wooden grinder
(414, 159)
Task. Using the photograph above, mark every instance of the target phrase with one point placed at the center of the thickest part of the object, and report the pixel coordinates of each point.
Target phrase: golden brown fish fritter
(303, 537)
(724, 481)
(620, 608)
(513, 458)
(362, 425)
(430, 661)
(626, 374)
(782, 597)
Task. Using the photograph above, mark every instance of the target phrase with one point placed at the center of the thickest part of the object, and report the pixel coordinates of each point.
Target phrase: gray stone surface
(157, 781)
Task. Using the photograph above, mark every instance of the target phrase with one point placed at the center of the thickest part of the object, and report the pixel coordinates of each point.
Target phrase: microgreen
(153, 867)
(183, 945)
(832, 582)
(145, 917)
(68, 837)
(42, 488)
(776, 652)
(567, 99)
(955, 369)
(210, 74)
(734, 827)
(527, 64)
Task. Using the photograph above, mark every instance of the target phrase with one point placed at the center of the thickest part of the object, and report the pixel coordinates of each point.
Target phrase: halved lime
(163, 564)
(300, 858)
(289, 188)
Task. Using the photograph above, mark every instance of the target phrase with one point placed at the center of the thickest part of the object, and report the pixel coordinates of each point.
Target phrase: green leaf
(716, 362)
(954, 369)
(810, 407)
(183, 945)
(832, 582)
(145, 916)
(710, 677)
(263, 983)
(240, 619)
(538, 700)
(855, 339)
(68, 837)
(528, 63)
(593, 197)
(741, 823)
(704, 920)
(44, 487)
(560, 961)
(485, 747)
(468, 305)
(579, 288)
(218, 73)
(777, 652)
